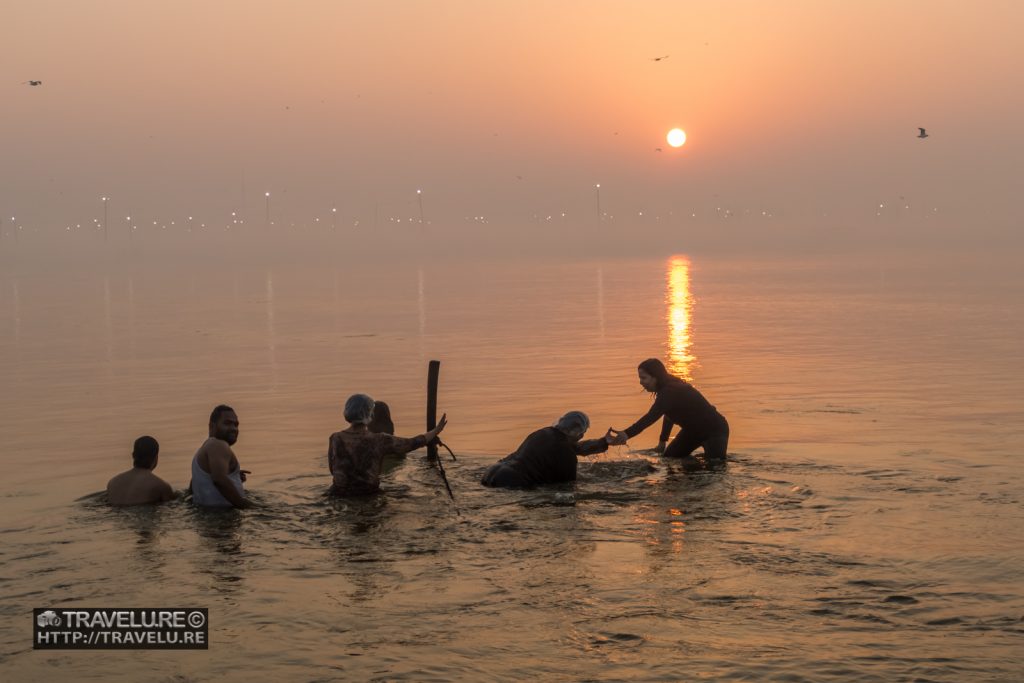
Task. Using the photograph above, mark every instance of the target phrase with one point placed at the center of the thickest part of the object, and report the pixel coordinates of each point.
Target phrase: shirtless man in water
(216, 476)
(139, 486)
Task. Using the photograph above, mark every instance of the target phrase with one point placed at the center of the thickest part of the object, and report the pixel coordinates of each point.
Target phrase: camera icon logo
(48, 618)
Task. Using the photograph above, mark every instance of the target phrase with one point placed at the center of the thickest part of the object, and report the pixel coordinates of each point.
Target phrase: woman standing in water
(356, 455)
(683, 405)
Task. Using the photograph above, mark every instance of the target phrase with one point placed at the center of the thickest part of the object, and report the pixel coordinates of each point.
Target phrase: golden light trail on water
(680, 306)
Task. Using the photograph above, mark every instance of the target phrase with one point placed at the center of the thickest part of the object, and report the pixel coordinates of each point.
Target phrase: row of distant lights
(235, 220)
(476, 219)
(728, 213)
(99, 226)
(905, 206)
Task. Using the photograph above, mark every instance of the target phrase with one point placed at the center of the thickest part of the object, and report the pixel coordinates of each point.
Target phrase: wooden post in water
(433, 373)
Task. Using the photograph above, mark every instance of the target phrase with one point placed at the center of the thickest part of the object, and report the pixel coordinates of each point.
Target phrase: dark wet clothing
(356, 459)
(547, 456)
(715, 445)
(680, 403)
(666, 430)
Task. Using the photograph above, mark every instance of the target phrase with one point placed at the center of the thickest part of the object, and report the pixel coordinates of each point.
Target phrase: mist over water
(867, 524)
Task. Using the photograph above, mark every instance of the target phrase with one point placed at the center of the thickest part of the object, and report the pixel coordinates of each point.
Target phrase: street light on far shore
(104, 217)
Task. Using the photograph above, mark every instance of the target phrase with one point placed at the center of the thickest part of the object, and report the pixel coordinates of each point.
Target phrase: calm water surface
(869, 526)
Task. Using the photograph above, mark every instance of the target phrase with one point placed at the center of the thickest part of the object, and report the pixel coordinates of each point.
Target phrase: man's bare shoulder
(152, 478)
(216, 449)
(118, 480)
(138, 487)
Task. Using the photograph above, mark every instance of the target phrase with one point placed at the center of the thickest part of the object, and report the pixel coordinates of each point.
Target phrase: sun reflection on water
(680, 306)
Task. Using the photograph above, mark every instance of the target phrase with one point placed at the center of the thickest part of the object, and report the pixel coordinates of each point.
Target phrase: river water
(869, 525)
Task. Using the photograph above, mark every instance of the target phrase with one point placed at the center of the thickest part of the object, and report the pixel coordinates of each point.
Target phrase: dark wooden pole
(433, 373)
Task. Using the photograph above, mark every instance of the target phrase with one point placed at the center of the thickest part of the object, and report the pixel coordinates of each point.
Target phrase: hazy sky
(515, 109)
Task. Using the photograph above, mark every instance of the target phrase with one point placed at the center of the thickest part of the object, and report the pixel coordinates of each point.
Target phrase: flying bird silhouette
(33, 83)
(658, 59)
(922, 134)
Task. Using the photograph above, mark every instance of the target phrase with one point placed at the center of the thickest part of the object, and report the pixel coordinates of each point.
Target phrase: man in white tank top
(216, 476)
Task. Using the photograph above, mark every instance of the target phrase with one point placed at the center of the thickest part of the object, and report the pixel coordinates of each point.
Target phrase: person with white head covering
(547, 456)
(356, 455)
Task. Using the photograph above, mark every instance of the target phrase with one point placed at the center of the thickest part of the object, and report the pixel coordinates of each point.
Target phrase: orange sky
(801, 108)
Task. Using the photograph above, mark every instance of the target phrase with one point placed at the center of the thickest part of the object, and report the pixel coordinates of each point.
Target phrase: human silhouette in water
(356, 455)
(139, 486)
(380, 422)
(218, 481)
(681, 403)
(547, 456)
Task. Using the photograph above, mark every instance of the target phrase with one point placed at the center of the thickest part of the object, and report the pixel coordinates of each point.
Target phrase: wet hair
(575, 423)
(359, 409)
(656, 369)
(144, 451)
(218, 411)
(381, 421)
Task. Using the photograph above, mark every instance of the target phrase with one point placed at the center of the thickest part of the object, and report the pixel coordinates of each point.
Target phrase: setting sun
(676, 137)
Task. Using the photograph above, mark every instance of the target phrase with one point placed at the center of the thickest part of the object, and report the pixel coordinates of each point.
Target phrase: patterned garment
(356, 459)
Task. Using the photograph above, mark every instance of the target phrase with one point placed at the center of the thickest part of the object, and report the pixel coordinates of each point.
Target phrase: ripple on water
(651, 562)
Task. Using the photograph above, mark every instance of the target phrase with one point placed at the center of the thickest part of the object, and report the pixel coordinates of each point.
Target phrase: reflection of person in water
(356, 455)
(679, 402)
(139, 486)
(381, 422)
(547, 456)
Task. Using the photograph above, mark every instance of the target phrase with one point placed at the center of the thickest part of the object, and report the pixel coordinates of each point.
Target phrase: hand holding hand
(619, 437)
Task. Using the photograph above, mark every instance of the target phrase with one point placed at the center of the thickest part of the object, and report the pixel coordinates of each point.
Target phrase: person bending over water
(547, 456)
(139, 486)
(216, 476)
(679, 402)
(356, 455)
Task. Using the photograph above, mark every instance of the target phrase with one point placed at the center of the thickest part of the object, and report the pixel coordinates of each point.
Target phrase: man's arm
(400, 445)
(591, 446)
(219, 458)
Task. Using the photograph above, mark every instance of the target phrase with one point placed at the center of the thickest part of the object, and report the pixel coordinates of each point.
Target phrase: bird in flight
(33, 83)
(658, 59)
(922, 134)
